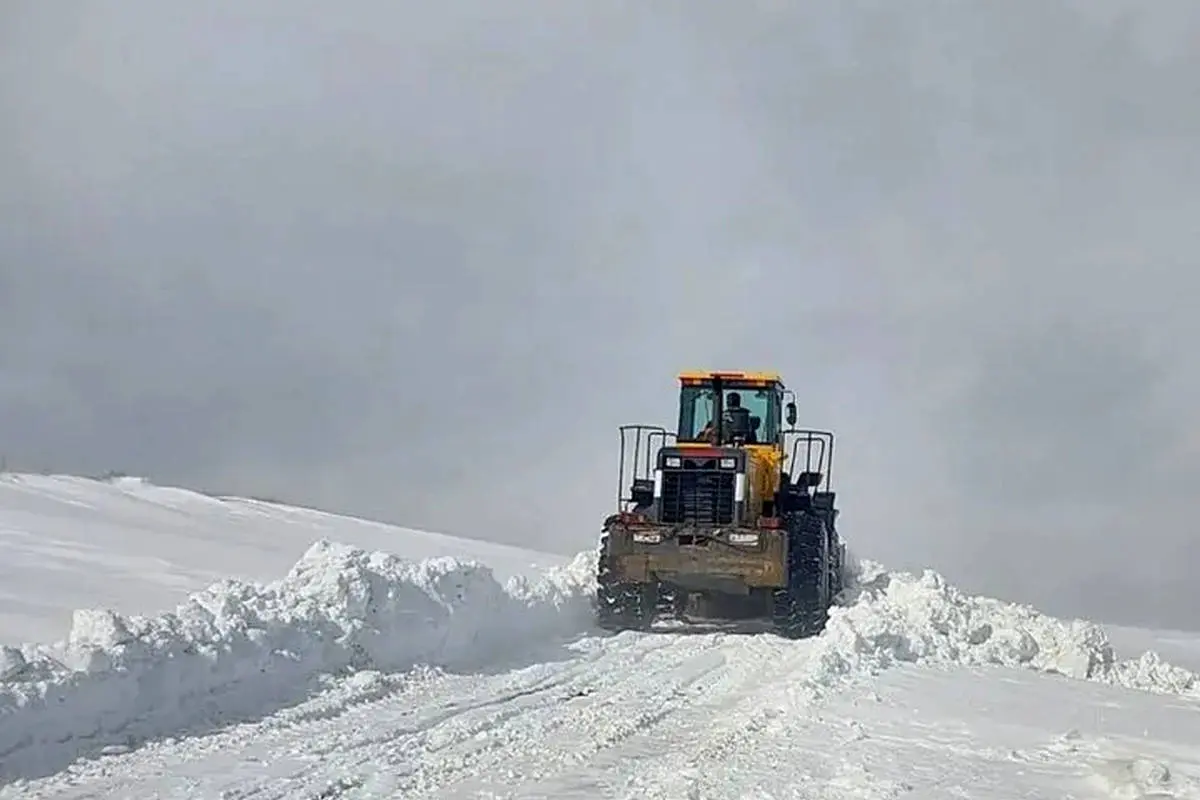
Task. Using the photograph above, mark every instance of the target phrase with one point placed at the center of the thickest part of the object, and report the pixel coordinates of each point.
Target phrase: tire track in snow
(554, 737)
(307, 750)
(641, 707)
(703, 733)
(630, 677)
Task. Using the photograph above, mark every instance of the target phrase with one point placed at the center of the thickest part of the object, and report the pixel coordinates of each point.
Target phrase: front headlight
(674, 461)
(728, 463)
(743, 538)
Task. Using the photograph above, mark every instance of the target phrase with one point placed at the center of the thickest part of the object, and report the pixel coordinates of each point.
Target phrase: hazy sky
(418, 261)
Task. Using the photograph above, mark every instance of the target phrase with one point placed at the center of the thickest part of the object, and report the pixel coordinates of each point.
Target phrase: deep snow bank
(239, 649)
(138, 548)
(892, 617)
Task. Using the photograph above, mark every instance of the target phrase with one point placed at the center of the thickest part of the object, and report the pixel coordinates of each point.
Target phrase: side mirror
(791, 413)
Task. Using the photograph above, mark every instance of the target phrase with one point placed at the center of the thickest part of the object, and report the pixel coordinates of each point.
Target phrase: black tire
(802, 608)
(621, 606)
(823, 504)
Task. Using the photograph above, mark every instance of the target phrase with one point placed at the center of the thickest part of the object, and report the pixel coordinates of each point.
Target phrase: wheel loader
(729, 517)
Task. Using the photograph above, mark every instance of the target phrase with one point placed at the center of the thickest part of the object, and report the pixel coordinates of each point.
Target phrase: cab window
(696, 410)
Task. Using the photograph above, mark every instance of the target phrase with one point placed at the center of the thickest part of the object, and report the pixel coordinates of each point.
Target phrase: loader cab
(761, 395)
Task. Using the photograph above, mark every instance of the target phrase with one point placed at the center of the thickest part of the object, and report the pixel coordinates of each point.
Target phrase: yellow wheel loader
(728, 517)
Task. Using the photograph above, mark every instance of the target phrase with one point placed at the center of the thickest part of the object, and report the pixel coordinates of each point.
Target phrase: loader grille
(702, 497)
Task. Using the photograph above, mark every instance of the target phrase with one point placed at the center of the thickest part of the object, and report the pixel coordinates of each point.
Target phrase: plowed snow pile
(896, 617)
(240, 650)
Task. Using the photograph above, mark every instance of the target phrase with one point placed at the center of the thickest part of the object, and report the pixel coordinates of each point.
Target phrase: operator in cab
(737, 423)
(738, 418)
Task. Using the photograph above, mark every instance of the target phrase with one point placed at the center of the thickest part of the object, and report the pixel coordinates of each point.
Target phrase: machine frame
(725, 528)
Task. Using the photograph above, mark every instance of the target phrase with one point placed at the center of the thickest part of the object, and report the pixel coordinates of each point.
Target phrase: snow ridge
(240, 650)
(898, 617)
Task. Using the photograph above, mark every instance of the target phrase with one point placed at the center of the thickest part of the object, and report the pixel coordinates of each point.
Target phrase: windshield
(696, 411)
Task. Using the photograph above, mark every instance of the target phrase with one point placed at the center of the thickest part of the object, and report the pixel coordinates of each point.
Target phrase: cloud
(418, 263)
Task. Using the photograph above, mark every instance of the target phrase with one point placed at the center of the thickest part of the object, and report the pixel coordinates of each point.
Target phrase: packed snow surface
(366, 674)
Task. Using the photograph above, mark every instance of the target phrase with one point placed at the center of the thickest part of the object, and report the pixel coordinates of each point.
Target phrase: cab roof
(733, 376)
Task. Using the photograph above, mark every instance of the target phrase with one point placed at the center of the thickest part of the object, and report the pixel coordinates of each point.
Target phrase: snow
(899, 617)
(238, 649)
(363, 673)
(138, 548)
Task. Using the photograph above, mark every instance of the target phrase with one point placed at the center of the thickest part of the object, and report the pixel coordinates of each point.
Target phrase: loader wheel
(621, 606)
(624, 606)
(801, 609)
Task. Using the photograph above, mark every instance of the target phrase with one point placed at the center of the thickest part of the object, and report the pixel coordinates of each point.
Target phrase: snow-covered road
(676, 716)
(596, 717)
(362, 675)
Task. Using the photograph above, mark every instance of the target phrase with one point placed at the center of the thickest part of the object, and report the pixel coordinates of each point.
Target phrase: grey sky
(417, 263)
